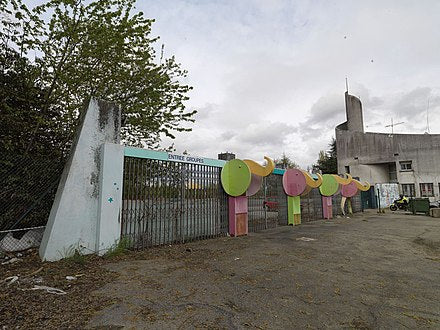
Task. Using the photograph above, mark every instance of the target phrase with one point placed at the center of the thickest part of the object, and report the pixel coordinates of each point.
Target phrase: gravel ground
(369, 271)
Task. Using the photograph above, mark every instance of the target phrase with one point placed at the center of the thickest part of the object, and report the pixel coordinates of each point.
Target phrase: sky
(269, 75)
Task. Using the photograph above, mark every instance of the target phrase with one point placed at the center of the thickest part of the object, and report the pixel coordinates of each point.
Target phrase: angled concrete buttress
(86, 210)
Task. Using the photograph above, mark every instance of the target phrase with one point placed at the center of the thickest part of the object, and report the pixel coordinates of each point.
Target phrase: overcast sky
(269, 75)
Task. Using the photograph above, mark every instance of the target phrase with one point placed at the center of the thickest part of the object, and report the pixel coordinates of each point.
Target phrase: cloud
(228, 135)
(364, 94)
(414, 102)
(327, 108)
(269, 76)
(268, 134)
(318, 129)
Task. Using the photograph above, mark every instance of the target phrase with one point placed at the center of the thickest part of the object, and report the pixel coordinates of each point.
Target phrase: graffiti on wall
(387, 193)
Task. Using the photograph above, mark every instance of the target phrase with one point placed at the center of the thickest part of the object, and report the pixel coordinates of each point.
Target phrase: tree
(104, 49)
(52, 59)
(327, 160)
(21, 104)
(28, 179)
(285, 162)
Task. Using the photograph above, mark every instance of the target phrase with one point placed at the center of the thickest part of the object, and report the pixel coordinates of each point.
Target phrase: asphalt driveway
(368, 271)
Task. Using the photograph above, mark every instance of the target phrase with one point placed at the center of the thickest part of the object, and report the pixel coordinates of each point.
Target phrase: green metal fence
(170, 202)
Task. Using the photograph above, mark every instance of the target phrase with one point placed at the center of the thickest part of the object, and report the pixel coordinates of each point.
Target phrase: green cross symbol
(110, 200)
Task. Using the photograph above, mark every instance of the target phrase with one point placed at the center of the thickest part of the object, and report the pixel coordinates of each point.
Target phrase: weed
(77, 257)
(73, 254)
(119, 248)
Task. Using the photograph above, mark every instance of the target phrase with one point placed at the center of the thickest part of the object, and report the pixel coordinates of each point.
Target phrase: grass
(76, 257)
(120, 248)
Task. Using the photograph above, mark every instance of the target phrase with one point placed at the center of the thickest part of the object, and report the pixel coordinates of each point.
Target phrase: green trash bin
(419, 205)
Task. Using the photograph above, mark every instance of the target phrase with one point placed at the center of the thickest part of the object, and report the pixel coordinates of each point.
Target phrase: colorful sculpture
(331, 184)
(350, 190)
(297, 183)
(240, 179)
(243, 178)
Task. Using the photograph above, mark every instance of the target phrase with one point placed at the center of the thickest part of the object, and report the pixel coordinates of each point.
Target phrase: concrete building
(226, 156)
(410, 160)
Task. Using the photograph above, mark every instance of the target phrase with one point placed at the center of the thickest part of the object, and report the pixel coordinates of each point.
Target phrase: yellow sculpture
(362, 187)
(311, 183)
(343, 181)
(258, 169)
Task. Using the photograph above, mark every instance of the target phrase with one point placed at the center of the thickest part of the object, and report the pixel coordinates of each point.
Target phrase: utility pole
(427, 118)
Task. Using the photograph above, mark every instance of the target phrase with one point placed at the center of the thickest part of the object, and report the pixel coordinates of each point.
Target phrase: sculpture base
(238, 216)
(327, 207)
(294, 210)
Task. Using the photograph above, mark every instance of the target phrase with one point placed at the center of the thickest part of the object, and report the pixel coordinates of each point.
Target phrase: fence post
(108, 227)
(378, 199)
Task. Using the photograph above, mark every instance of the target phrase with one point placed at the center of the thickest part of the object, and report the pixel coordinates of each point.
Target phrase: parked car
(270, 204)
(435, 204)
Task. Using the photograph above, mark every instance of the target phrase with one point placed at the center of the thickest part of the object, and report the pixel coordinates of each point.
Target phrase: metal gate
(268, 208)
(168, 202)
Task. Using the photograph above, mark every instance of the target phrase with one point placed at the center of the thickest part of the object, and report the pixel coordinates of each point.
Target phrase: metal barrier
(29, 183)
(170, 202)
(268, 208)
(20, 239)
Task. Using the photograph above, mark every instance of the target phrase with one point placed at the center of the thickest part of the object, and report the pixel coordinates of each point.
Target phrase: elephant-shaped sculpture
(240, 179)
(331, 185)
(297, 183)
(350, 190)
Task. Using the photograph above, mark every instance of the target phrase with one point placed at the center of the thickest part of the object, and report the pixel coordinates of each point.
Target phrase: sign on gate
(161, 155)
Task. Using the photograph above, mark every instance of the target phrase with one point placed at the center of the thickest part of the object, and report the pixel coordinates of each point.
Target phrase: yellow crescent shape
(259, 170)
(343, 181)
(362, 187)
(312, 183)
(306, 191)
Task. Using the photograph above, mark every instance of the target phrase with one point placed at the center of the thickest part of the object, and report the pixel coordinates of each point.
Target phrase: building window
(347, 169)
(392, 172)
(406, 166)
(409, 189)
(426, 189)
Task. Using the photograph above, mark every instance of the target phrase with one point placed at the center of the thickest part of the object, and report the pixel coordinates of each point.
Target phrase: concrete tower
(353, 108)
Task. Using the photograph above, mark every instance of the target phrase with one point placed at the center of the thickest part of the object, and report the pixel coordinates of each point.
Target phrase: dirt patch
(427, 243)
(24, 308)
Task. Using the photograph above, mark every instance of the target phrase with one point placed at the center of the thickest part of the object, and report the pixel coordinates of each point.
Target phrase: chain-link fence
(20, 239)
(29, 185)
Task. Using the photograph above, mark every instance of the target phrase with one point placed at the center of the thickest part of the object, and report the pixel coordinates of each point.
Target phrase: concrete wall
(73, 222)
(377, 173)
(353, 110)
(368, 155)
